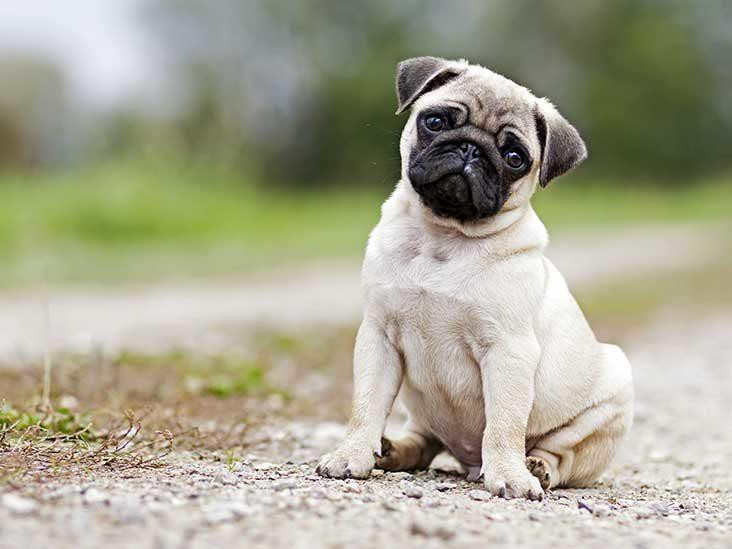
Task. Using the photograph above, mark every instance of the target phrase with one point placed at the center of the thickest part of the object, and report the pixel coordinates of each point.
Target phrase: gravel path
(670, 487)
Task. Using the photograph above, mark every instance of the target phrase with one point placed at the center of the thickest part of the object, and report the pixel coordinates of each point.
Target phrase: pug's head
(476, 142)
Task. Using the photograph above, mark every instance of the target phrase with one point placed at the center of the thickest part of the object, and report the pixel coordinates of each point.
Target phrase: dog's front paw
(347, 462)
(516, 484)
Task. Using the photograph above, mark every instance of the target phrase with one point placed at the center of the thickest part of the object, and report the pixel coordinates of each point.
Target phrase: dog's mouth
(453, 187)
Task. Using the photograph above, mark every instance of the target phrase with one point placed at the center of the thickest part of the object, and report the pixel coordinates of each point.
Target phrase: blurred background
(149, 139)
(185, 173)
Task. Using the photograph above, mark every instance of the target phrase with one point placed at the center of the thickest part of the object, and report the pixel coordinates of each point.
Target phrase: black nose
(469, 151)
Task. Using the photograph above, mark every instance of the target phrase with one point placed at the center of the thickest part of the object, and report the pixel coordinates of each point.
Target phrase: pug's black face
(463, 171)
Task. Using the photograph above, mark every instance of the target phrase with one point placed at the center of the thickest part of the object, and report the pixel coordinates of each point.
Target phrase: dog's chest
(432, 315)
(427, 296)
(424, 299)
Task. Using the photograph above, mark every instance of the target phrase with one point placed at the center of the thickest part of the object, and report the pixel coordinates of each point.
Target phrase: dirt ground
(671, 486)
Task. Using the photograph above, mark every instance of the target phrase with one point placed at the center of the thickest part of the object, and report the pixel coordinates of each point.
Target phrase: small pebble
(660, 508)
(318, 493)
(129, 514)
(93, 497)
(283, 484)
(431, 502)
(643, 513)
(687, 505)
(60, 493)
(352, 488)
(401, 475)
(225, 512)
(586, 504)
(18, 504)
(226, 478)
(412, 492)
(431, 529)
(479, 495)
(389, 506)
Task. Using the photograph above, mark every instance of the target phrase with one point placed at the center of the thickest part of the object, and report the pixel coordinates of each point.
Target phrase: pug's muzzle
(457, 179)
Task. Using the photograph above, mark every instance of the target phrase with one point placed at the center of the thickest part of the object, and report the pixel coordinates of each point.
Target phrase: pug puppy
(464, 313)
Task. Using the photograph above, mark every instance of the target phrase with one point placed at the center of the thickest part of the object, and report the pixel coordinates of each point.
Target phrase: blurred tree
(269, 80)
(304, 90)
(32, 107)
(639, 87)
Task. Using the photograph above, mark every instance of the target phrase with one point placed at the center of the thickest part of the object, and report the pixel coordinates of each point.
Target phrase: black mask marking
(459, 171)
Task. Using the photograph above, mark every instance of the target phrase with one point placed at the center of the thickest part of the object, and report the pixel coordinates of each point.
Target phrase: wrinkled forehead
(492, 101)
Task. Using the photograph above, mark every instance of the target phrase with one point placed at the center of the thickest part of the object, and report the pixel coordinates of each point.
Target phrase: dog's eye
(435, 123)
(514, 158)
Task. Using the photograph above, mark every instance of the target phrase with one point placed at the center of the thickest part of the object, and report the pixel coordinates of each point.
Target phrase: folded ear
(562, 147)
(418, 75)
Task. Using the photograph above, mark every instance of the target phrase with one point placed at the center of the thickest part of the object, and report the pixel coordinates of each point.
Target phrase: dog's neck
(509, 231)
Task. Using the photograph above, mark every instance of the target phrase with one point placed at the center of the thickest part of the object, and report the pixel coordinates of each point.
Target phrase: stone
(389, 506)
(283, 484)
(660, 508)
(129, 514)
(226, 478)
(92, 496)
(18, 504)
(422, 527)
(586, 504)
(228, 511)
(401, 475)
(479, 495)
(412, 491)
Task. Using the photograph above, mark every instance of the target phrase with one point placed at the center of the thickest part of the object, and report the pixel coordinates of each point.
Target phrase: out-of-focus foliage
(303, 92)
(122, 223)
(306, 88)
(32, 100)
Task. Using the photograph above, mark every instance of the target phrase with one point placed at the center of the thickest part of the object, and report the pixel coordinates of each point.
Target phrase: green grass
(576, 204)
(129, 222)
(218, 376)
(126, 223)
(60, 420)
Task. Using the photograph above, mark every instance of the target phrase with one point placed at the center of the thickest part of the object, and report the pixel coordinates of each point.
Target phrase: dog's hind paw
(539, 468)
